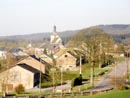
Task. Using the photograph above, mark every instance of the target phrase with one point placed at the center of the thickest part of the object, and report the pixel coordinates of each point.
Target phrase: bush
(76, 81)
(19, 89)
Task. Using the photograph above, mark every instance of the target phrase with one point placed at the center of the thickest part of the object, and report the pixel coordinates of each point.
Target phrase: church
(55, 43)
(55, 38)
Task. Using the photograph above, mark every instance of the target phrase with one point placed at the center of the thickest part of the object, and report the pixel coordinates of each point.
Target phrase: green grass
(68, 75)
(85, 86)
(120, 59)
(86, 70)
(111, 94)
(50, 84)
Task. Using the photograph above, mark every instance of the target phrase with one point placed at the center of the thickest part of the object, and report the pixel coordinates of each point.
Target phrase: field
(111, 94)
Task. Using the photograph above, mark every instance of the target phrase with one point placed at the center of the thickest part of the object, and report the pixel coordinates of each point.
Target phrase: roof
(40, 59)
(25, 66)
(30, 61)
(30, 64)
(62, 51)
(68, 53)
(2, 48)
(15, 50)
(20, 53)
(46, 56)
(75, 53)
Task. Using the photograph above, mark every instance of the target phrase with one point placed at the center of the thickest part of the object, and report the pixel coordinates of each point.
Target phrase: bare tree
(93, 42)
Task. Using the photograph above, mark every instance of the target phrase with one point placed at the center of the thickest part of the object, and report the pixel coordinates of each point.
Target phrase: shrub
(76, 81)
(19, 89)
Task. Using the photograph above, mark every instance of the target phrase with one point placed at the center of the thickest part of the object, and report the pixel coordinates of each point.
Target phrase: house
(29, 50)
(26, 72)
(18, 52)
(66, 61)
(69, 59)
(3, 53)
(33, 63)
(47, 58)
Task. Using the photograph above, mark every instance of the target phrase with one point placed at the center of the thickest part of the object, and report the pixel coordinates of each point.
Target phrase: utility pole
(115, 75)
(40, 78)
(53, 70)
(127, 62)
(80, 65)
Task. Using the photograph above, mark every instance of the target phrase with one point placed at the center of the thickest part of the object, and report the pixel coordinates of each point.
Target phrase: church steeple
(54, 28)
(55, 38)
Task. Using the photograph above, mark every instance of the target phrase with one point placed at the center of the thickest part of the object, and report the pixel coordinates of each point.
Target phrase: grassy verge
(111, 94)
(81, 87)
(97, 71)
(50, 84)
(120, 59)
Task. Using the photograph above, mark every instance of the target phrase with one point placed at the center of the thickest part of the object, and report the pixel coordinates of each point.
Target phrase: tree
(92, 42)
(45, 51)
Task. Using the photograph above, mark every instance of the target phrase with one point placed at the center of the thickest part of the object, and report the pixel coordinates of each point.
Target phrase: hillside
(39, 36)
(116, 29)
(110, 29)
(120, 32)
(36, 39)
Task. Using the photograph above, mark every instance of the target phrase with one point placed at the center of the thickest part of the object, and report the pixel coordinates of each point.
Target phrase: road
(50, 89)
(118, 71)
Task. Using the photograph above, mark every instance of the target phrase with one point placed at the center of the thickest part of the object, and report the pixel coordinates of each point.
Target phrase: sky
(36, 16)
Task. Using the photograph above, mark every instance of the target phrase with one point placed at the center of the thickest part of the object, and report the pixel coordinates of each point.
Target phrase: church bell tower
(54, 29)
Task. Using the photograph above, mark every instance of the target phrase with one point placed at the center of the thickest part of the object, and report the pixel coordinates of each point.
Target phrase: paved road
(50, 89)
(118, 71)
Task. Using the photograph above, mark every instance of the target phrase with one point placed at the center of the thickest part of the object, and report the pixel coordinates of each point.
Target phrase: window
(66, 55)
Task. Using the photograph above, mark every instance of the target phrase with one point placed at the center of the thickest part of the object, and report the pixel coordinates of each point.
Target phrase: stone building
(26, 72)
(66, 61)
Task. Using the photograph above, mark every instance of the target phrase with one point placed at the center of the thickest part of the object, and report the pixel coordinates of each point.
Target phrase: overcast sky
(33, 16)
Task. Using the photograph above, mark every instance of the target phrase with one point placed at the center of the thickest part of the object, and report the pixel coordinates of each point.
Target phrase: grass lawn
(120, 59)
(111, 94)
(86, 70)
